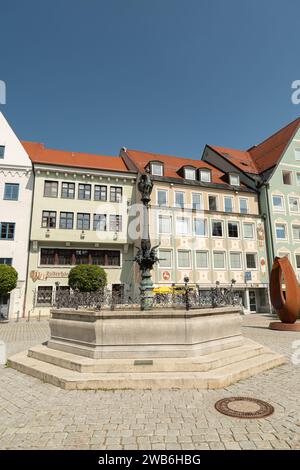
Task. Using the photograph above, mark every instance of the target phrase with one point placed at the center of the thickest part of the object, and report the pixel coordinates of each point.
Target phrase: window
(7, 231)
(280, 231)
(179, 199)
(287, 177)
(248, 230)
(190, 173)
(243, 205)
(278, 203)
(165, 258)
(197, 203)
(50, 188)
(66, 257)
(296, 232)
(184, 259)
(164, 224)
(217, 228)
(157, 169)
(234, 180)
(212, 203)
(235, 260)
(116, 194)
(251, 262)
(162, 199)
(228, 204)
(68, 190)
(298, 178)
(205, 176)
(84, 191)
(112, 258)
(11, 192)
(297, 154)
(2, 148)
(182, 226)
(44, 295)
(49, 219)
(66, 220)
(47, 256)
(294, 204)
(82, 257)
(298, 261)
(115, 223)
(201, 259)
(100, 193)
(83, 221)
(233, 229)
(99, 222)
(200, 227)
(7, 261)
(219, 260)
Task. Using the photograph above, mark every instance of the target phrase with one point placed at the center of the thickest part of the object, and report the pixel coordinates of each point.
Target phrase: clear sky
(162, 76)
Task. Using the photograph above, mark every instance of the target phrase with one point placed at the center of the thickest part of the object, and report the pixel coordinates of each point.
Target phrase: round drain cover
(242, 407)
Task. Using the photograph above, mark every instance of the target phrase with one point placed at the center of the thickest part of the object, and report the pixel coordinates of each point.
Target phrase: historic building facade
(273, 169)
(80, 216)
(208, 225)
(16, 185)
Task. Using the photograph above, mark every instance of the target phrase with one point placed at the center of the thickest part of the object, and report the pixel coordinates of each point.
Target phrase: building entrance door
(252, 300)
(4, 307)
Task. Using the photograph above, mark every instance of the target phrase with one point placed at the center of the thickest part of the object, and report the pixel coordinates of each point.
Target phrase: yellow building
(208, 226)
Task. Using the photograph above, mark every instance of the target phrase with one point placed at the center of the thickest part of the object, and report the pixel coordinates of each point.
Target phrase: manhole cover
(241, 407)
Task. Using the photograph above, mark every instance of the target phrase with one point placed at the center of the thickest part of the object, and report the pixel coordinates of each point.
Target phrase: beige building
(80, 216)
(208, 226)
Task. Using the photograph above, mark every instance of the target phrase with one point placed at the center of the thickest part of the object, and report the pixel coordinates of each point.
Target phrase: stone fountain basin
(151, 334)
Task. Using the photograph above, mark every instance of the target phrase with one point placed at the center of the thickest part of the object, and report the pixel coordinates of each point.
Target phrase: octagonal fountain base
(201, 348)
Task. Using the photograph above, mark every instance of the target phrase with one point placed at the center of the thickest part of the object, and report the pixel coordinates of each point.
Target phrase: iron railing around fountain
(183, 297)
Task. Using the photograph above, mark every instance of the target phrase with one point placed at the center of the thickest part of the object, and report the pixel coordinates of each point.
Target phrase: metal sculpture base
(146, 350)
(277, 325)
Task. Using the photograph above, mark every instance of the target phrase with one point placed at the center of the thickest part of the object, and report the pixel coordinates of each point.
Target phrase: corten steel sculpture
(146, 256)
(287, 305)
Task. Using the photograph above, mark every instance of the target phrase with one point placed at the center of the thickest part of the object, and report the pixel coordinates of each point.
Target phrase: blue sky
(163, 76)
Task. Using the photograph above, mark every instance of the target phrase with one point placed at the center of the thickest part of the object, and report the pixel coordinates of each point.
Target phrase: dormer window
(157, 169)
(2, 148)
(205, 176)
(234, 180)
(190, 173)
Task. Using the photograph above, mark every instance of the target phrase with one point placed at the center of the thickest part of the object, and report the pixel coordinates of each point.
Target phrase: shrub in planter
(87, 278)
(8, 279)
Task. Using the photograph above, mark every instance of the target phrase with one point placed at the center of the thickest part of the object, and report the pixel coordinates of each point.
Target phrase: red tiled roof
(263, 156)
(38, 153)
(239, 158)
(172, 164)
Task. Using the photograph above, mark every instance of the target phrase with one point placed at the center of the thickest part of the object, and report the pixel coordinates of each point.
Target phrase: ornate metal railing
(182, 297)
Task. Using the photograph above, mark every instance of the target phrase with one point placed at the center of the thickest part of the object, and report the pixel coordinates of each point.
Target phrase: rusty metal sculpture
(286, 303)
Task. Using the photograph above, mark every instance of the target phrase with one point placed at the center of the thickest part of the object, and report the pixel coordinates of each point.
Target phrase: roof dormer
(156, 168)
(234, 179)
(204, 175)
(188, 172)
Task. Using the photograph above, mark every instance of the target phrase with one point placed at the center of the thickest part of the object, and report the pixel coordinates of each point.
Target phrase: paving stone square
(37, 415)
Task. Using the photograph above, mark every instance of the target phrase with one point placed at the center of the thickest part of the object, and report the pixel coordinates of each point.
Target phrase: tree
(87, 278)
(8, 279)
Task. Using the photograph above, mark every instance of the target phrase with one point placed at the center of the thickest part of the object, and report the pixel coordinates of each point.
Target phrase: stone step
(195, 364)
(215, 378)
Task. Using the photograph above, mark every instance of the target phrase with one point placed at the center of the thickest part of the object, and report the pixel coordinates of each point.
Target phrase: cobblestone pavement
(35, 415)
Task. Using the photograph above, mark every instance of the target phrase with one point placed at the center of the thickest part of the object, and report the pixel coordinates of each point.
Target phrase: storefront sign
(43, 276)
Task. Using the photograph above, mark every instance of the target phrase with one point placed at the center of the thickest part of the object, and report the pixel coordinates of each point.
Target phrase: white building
(16, 186)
